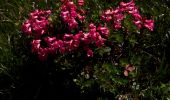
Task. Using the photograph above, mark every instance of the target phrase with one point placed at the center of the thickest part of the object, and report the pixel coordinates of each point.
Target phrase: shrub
(115, 49)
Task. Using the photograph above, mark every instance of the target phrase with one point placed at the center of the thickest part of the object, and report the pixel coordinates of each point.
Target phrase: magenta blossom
(39, 27)
(89, 53)
(123, 4)
(80, 17)
(76, 39)
(72, 23)
(67, 37)
(68, 14)
(55, 45)
(26, 28)
(73, 18)
(80, 2)
(50, 40)
(35, 45)
(100, 42)
(43, 54)
(149, 24)
(86, 39)
(118, 14)
(37, 24)
(104, 31)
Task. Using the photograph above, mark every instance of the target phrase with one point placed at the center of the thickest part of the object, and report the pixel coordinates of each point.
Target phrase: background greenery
(24, 77)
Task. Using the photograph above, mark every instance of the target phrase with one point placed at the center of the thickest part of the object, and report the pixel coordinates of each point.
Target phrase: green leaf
(118, 37)
(124, 62)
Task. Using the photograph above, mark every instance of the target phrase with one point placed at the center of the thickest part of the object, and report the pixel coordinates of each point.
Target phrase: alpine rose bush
(118, 14)
(38, 24)
(104, 45)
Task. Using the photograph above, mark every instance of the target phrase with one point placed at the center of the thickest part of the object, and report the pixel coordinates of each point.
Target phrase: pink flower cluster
(37, 24)
(95, 36)
(50, 44)
(69, 13)
(118, 14)
(71, 42)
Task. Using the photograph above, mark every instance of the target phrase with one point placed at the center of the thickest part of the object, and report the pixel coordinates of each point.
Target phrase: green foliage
(147, 51)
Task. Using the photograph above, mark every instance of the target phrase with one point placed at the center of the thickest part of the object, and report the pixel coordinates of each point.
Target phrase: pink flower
(68, 45)
(123, 4)
(94, 36)
(65, 15)
(138, 24)
(89, 53)
(137, 16)
(48, 12)
(80, 2)
(103, 17)
(100, 42)
(128, 68)
(26, 28)
(76, 39)
(43, 54)
(107, 15)
(80, 17)
(149, 24)
(71, 6)
(86, 39)
(60, 43)
(39, 27)
(60, 46)
(34, 14)
(49, 40)
(72, 23)
(73, 14)
(108, 12)
(76, 44)
(104, 31)
(63, 7)
(117, 10)
(118, 17)
(37, 24)
(40, 14)
(55, 45)
(117, 25)
(67, 37)
(78, 36)
(35, 45)
(92, 27)
(135, 10)
(109, 18)
(68, 42)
